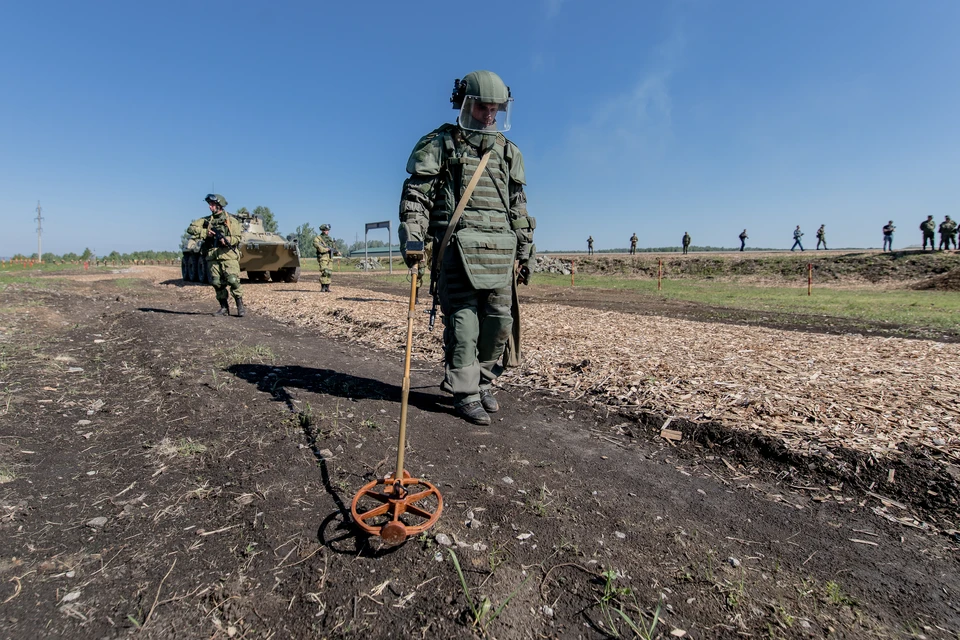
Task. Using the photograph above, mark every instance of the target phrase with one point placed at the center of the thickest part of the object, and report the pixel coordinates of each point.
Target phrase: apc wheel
(203, 270)
(183, 268)
(257, 276)
(291, 274)
(191, 260)
(276, 276)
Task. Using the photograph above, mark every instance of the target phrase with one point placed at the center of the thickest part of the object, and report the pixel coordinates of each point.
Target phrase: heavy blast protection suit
(476, 271)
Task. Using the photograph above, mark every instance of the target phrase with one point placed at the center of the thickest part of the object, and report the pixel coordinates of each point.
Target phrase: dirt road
(176, 475)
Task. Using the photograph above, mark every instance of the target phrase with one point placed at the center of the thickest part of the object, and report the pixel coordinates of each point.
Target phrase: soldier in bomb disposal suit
(220, 235)
(476, 257)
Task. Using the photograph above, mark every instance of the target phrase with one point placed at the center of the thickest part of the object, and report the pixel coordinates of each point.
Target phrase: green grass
(926, 309)
(244, 354)
(7, 474)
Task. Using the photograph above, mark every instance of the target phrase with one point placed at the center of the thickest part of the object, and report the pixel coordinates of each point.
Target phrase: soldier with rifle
(325, 247)
(220, 236)
(465, 196)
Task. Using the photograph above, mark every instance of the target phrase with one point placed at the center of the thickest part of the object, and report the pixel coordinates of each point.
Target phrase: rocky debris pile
(547, 264)
(369, 264)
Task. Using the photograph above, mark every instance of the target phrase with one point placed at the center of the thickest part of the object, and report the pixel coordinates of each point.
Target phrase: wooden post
(659, 274)
(810, 279)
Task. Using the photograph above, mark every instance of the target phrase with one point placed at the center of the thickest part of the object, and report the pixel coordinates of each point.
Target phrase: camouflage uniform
(743, 239)
(928, 227)
(325, 247)
(821, 237)
(223, 258)
(633, 244)
(948, 234)
(685, 242)
(590, 246)
(476, 271)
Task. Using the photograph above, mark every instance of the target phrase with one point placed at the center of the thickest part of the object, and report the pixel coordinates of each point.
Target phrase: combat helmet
(324, 227)
(475, 94)
(215, 198)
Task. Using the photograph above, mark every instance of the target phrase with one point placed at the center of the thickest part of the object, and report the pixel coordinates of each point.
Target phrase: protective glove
(524, 273)
(410, 234)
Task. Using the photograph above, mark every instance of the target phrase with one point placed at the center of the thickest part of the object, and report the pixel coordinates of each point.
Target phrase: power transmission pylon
(39, 220)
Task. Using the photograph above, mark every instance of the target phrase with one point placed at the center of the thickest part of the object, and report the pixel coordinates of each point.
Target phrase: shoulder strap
(455, 218)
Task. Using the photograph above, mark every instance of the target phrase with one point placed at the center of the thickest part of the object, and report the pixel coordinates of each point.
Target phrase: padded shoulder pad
(427, 156)
(515, 161)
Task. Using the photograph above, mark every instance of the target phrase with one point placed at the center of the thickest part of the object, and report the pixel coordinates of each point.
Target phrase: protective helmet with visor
(215, 198)
(484, 102)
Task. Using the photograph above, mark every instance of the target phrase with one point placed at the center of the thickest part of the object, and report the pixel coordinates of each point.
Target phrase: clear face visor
(476, 115)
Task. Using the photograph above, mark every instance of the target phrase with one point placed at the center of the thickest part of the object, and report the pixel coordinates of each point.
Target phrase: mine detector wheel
(397, 506)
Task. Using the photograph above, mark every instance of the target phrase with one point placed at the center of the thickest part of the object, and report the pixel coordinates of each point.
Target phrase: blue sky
(705, 116)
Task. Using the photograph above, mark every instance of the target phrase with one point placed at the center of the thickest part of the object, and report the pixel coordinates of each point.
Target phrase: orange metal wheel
(396, 509)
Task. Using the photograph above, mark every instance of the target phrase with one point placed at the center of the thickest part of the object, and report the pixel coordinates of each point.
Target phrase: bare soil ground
(168, 473)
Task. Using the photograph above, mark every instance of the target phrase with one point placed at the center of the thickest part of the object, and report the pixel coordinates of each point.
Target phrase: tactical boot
(241, 310)
(488, 402)
(473, 412)
(224, 308)
(325, 288)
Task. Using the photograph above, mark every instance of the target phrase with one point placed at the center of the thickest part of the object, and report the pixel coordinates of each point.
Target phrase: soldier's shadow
(278, 380)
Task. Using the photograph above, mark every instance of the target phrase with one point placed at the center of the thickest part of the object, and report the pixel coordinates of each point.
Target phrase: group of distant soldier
(948, 237)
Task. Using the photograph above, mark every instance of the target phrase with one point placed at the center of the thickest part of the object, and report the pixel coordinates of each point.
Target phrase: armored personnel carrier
(263, 255)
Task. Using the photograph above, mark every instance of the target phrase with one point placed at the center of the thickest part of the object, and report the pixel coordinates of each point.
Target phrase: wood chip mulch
(812, 391)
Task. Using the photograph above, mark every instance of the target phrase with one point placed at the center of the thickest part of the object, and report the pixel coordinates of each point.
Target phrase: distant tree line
(113, 256)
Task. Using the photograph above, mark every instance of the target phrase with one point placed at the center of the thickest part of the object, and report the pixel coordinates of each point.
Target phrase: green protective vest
(323, 244)
(227, 225)
(928, 225)
(485, 239)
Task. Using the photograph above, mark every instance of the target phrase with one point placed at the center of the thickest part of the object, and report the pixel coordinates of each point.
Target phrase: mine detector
(263, 255)
(399, 505)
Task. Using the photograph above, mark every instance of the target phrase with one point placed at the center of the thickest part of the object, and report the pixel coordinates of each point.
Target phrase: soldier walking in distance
(948, 234)
(888, 230)
(797, 234)
(475, 257)
(822, 237)
(743, 239)
(686, 242)
(325, 247)
(590, 246)
(633, 244)
(928, 227)
(220, 235)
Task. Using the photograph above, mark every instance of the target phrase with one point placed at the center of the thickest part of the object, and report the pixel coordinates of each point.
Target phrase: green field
(928, 309)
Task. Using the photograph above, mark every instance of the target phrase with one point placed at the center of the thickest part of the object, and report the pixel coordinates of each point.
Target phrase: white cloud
(636, 121)
(552, 8)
